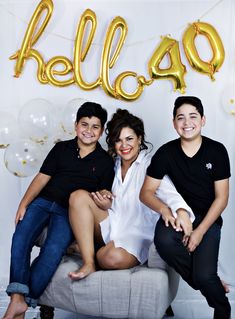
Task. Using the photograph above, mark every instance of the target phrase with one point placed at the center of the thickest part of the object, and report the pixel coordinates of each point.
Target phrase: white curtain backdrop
(147, 21)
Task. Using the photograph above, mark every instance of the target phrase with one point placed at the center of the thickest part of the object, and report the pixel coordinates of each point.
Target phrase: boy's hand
(20, 214)
(195, 239)
(102, 199)
(183, 223)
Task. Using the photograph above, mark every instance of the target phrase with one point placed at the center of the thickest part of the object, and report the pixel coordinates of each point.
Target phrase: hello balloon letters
(70, 71)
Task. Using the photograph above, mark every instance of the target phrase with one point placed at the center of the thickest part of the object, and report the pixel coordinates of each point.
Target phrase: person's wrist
(182, 212)
(164, 210)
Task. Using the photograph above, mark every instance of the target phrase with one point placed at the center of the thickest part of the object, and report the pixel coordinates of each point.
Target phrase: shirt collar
(74, 144)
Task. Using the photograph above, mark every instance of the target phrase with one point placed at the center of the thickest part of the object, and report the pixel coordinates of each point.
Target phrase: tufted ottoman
(143, 292)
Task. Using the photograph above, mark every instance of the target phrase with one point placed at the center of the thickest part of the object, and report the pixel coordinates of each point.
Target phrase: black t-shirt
(69, 172)
(193, 177)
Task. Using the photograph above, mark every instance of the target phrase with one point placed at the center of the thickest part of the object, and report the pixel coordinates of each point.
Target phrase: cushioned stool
(142, 292)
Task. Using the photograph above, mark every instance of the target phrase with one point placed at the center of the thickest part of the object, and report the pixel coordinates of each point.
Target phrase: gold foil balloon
(108, 61)
(192, 54)
(51, 71)
(79, 54)
(130, 96)
(23, 158)
(176, 69)
(32, 34)
(71, 71)
(38, 119)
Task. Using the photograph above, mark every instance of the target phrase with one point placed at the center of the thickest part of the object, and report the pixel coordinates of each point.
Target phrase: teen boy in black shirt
(199, 168)
(76, 164)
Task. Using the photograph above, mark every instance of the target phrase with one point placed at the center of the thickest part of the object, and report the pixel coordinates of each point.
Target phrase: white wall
(146, 21)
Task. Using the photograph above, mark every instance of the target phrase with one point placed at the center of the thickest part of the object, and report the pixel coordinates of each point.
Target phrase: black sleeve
(158, 166)
(49, 166)
(108, 175)
(222, 167)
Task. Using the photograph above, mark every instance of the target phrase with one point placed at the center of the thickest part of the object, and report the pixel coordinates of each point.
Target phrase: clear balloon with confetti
(23, 158)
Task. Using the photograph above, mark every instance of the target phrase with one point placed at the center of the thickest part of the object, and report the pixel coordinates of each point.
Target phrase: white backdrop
(147, 21)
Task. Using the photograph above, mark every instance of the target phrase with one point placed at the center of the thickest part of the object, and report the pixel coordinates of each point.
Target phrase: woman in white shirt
(118, 221)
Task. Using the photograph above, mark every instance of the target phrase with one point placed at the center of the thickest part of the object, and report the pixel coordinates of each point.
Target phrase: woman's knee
(109, 258)
(78, 196)
(115, 258)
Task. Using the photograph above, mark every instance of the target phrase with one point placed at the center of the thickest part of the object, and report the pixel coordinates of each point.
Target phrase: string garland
(136, 43)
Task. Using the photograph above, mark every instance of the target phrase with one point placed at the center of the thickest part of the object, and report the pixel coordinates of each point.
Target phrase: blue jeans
(32, 279)
(198, 269)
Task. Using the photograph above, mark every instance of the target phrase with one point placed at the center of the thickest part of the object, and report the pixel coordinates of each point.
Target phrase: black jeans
(198, 269)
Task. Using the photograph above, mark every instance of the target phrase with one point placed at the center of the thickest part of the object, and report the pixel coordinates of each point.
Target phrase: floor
(181, 310)
(60, 314)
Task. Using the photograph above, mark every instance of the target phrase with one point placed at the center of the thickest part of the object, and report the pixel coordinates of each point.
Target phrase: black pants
(198, 269)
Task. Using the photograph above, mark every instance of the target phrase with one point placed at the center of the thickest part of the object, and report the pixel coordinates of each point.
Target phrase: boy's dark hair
(89, 109)
(119, 120)
(192, 100)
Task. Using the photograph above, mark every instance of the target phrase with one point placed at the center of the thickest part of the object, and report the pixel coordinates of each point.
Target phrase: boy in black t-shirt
(199, 168)
(80, 163)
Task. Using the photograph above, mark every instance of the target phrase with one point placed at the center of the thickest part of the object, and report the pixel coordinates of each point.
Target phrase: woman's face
(128, 145)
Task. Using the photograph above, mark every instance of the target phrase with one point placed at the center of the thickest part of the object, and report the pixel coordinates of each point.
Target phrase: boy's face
(88, 130)
(188, 122)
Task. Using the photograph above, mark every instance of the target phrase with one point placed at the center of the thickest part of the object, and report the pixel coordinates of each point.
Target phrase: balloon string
(99, 44)
(209, 10)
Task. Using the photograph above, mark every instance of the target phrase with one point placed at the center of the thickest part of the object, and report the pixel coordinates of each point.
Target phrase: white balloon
(228, 99)
(9, 130)
(48, 144)
(23, 158)
(68, 116)
(38, 119)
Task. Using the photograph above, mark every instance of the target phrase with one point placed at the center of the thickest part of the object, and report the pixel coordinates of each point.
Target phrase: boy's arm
(170, 196)
(183, 214)
(37, 184)
(148, 197)
(215, 210)
(169, 203)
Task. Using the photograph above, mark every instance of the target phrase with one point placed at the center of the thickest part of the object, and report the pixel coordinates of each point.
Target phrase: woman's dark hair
(119, 120)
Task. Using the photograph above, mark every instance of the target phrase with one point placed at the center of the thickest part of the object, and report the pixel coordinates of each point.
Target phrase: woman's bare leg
(16, 308)
(85, 217)
(111, 257)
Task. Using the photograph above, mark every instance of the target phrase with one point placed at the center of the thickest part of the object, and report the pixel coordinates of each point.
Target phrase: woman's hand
(106, 194)
(168, 217)
(183, 223)
(103, 199)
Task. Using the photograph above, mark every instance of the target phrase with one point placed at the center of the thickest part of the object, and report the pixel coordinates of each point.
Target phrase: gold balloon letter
(191, 52)
(107, 62)
(80, 56)
(50, 72)
(31, 36)
(175, 71)
(136, 94)
(41, 65)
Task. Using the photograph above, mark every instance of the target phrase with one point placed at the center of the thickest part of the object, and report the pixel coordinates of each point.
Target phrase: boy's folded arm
(169, 195)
